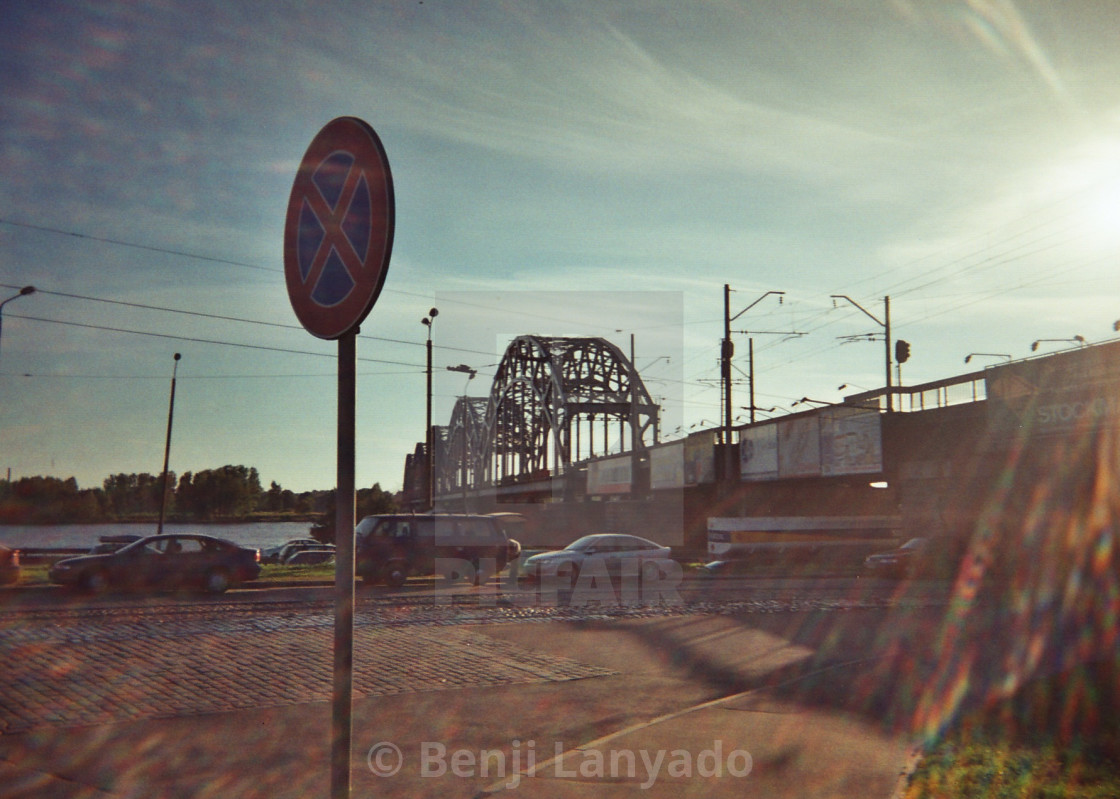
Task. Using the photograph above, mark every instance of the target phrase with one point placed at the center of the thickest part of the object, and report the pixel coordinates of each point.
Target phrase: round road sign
(338, 235)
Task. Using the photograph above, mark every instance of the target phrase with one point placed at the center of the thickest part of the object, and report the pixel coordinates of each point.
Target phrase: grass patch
(37, 574)
(279, 571)
(981, 768)
(34, 575)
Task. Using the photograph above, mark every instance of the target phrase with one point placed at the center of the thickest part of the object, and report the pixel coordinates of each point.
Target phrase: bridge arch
(556, 401)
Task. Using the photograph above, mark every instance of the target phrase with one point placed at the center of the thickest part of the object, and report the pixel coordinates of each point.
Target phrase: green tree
(229, 491)
(48, 500)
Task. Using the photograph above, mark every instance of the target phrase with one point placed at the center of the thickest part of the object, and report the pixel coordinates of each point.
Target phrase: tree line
(227, 493)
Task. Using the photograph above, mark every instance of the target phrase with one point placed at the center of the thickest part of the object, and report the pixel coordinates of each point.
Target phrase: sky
(559, 168)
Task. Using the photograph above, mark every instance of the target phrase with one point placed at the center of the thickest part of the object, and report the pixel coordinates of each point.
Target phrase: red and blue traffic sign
(338, 234)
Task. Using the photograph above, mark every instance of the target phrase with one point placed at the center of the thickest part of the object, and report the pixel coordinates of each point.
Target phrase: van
(391, 548)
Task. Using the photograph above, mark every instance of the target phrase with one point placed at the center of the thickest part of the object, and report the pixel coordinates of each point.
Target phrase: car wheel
(217, 581)
(96, 582)
(396, 574)
(650, 571)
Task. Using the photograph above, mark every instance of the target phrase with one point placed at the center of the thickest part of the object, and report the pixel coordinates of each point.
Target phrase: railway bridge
(569, 438)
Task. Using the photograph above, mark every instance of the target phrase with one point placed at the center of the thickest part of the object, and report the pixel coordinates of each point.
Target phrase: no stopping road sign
(338, 233)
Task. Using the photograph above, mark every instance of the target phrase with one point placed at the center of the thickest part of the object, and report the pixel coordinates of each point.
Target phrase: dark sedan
(162, 562)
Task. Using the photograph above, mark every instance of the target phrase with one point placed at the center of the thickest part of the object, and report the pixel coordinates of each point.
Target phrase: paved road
(246, 678)
(75, 661)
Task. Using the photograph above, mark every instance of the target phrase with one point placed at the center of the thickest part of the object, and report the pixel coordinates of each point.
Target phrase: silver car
(617, 553)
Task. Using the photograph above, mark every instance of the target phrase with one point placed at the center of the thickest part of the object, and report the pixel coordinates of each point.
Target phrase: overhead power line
(135, 246)
(203, 315)
(196, 340)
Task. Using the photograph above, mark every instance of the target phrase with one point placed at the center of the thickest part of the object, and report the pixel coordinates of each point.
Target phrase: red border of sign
(352, 135)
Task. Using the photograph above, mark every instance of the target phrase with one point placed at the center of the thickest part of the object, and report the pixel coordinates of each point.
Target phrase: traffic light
(901, 351)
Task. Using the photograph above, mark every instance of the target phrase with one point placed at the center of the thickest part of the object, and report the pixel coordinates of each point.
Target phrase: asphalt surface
(768, 689)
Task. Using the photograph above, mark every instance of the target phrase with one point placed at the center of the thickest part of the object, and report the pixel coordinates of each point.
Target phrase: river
(254, 534)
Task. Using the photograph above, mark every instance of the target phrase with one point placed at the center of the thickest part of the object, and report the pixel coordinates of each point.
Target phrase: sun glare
(1102, 209)
(1091, 181)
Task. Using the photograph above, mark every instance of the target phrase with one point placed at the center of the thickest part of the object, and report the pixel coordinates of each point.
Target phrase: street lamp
(430, 468)
(23, 292)
(462, 367)
(972, 355)
(805, 400)
(1075, 340)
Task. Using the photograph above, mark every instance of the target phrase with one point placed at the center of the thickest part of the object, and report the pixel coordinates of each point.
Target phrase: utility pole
(727, 350)
(886, 325)
(167, 446)
(430, 455)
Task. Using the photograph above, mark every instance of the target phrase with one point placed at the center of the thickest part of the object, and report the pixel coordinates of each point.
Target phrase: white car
(617, 554)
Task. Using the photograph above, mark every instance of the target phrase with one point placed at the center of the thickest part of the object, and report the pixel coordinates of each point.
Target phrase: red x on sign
(338, 234)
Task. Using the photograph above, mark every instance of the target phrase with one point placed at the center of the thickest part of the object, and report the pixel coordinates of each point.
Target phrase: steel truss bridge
(554, 402)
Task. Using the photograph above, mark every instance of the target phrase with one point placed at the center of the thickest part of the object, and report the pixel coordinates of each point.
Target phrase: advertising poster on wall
(758, 453)
(666, 466)
(610, 476)
(1078, 391)
(851, 442)
(799, 447)
(699, 459)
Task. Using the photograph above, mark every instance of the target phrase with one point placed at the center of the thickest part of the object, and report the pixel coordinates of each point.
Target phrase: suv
(390, 548)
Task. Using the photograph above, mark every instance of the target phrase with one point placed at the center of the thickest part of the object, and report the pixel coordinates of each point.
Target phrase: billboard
(700, 458)
(851, 442)
(799, 447)
(758, 452)
(610, 476)
(1071, 392)
(666, 466)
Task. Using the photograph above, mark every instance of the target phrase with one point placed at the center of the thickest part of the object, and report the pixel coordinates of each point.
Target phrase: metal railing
(957, 390)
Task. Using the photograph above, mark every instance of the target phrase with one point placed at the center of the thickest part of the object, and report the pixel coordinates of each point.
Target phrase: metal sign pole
(338, 236)
(342, 696)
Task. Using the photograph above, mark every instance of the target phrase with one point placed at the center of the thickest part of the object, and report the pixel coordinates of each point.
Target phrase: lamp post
(972, 355)
(727, 350)
(23, 292)
(886, 325)
(1079, 340)
(430, 455)
(806, 400)
(167, 447)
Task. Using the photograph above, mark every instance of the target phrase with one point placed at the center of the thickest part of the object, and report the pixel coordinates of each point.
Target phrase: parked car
(897, 562)
(310, 557)
(612, 550)
(281, 552)
(9, 565)
(162, 562)
(390, 548)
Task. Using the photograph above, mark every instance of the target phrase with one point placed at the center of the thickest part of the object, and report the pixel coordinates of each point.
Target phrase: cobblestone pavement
(91, 672)
(93, 666)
